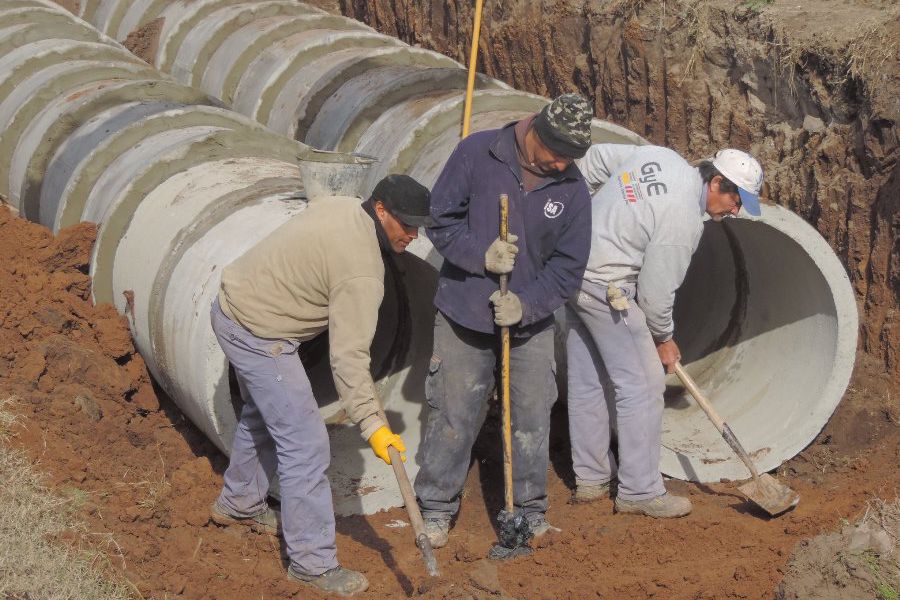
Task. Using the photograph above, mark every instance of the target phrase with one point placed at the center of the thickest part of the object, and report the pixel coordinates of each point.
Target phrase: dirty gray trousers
(614, 369)
(280, 429)
(460, 377)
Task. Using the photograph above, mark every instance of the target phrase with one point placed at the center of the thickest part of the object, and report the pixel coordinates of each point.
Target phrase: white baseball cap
(745, 172)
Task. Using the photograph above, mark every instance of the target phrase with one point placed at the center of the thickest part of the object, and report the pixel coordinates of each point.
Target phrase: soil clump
(144, 42)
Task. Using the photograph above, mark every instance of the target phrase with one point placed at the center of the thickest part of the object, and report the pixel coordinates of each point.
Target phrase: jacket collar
(503, 148)
(383, 242)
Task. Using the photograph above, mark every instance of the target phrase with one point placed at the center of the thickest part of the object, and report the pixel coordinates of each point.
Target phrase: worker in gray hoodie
(647, 215)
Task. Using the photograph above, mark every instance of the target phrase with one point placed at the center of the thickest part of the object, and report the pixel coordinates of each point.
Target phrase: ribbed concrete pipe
(376, 96)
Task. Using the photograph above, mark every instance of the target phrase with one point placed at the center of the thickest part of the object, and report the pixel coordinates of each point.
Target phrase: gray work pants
(608, 349)
(460, 378)
(280, 428)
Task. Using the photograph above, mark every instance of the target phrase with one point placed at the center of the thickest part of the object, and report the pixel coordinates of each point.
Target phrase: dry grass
(885, 514)
(868, 51)
(695, 19)
(870, 46)
(885, 569)
(32, 565)
(627, 9)
(152, 490)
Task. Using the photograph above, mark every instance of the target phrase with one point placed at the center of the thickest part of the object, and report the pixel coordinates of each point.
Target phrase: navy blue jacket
(553, 223)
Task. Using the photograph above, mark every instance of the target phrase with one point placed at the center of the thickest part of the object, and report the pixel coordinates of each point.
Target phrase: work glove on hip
(384, 437)
(500, 257)
(507, 308)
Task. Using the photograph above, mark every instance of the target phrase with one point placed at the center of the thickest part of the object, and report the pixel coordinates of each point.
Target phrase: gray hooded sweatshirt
(647, 209)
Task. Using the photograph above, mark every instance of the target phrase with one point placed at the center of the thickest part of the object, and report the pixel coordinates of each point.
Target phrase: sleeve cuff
(370, 425)
(661, 337)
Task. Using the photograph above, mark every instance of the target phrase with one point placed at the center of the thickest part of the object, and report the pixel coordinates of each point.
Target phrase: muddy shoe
(540, 527)
(438, 531)
(268, 521)
(338, 580)
(589, 492)
(666, 506)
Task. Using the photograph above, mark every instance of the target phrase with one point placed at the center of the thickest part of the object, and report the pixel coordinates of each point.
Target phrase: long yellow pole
(473, 61)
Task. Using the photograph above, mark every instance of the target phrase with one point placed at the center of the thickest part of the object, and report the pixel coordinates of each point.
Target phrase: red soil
(92, 420)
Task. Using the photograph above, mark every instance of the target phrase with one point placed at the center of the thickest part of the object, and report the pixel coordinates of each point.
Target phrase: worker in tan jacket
(321, 270)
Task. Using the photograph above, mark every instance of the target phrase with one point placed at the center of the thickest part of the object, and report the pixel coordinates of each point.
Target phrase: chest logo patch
(553, 209)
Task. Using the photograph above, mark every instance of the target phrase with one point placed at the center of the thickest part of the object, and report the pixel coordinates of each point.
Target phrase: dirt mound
(858, 563)
(54, 339)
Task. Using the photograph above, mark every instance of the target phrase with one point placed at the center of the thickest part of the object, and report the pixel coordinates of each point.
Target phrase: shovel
(412, 508)
(513, 530)
(765, 491)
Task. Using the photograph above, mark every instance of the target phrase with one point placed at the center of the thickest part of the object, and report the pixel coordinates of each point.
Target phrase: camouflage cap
(564, 125)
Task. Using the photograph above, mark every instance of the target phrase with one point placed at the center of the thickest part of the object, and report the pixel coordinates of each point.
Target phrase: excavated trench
(760, 297)
(767, 316)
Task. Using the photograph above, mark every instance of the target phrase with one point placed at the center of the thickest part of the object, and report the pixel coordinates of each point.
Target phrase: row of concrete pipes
(180, 186)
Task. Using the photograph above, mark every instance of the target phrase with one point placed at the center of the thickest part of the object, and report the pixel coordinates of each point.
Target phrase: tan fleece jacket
(320, 270)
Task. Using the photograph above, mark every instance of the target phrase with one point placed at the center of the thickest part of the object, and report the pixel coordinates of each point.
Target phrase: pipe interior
(757, 324)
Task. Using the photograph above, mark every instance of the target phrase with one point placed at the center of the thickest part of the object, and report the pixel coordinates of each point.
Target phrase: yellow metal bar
(473, 61)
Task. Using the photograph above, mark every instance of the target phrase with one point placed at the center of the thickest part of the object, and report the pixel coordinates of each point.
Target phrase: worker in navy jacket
(545, 255)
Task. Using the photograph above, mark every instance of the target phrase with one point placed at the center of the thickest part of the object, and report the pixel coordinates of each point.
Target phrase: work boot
(338, 580)
(539, 526)
(268, 521)
(589, 492)
(666, 506)
(437, 529)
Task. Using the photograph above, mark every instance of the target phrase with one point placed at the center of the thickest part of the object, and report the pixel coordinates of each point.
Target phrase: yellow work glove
(384, 437)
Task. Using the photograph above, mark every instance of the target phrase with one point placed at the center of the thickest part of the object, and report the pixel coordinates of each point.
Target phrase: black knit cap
(406, 199)
(564, 125)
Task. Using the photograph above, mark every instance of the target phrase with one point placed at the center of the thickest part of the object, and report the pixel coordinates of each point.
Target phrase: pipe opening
(757, 323)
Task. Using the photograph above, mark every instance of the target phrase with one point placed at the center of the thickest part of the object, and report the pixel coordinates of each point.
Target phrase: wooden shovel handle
(504, 373)
(412, 507)
(720, 424)
(406, 490)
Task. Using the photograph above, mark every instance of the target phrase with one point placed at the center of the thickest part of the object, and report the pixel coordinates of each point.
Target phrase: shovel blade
(769, 494)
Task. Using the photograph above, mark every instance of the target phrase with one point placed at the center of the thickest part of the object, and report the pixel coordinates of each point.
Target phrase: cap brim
(415, 220)
(750, 202)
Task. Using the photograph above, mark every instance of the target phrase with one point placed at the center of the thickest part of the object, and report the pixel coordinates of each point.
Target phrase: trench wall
(818, 104)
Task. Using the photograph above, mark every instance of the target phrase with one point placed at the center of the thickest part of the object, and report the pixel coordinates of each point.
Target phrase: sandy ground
(146, 476)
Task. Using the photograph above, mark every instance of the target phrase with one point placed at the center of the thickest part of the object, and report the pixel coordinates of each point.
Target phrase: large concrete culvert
(180, 190)
(767, 323)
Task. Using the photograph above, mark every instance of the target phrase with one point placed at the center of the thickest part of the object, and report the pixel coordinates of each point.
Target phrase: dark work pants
(460, 378)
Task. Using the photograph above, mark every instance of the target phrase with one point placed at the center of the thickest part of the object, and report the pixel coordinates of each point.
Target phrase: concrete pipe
(321, 78)
(90, 133)
(767, 323)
